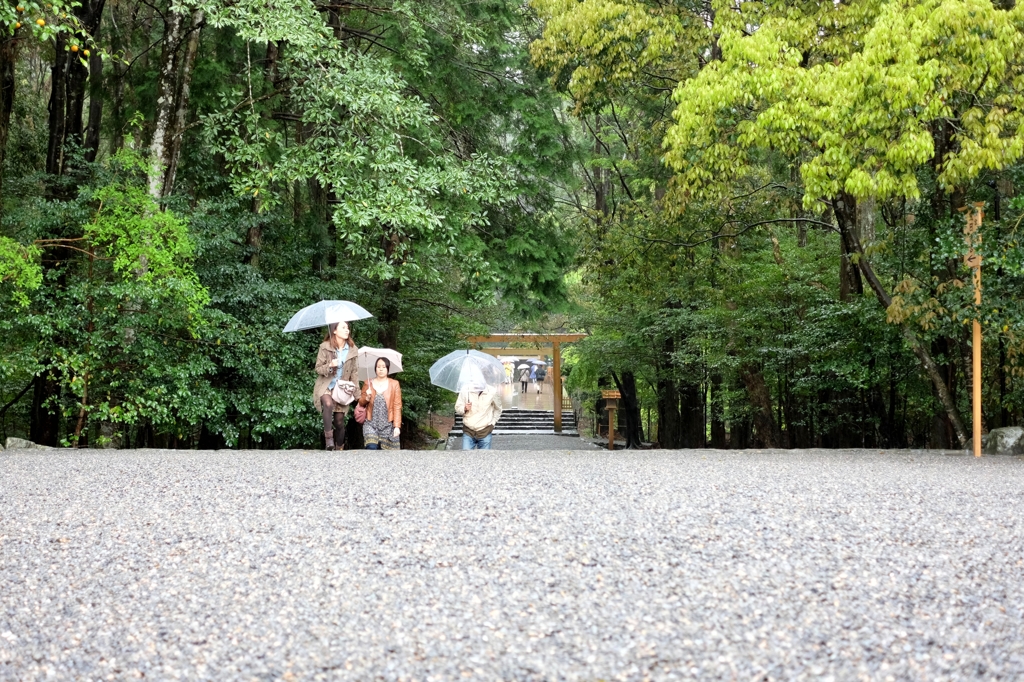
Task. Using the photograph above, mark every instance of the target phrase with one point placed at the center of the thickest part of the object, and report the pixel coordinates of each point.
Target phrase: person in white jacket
(480, 407)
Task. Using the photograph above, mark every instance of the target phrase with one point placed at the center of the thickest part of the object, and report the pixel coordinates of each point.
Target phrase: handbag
(343, 392)
(360, 414)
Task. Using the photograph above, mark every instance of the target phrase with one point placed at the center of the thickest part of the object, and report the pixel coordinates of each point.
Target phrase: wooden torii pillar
(553, 340)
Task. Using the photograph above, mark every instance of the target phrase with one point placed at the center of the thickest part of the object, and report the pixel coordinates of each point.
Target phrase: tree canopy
(755, 210)
(753, 166)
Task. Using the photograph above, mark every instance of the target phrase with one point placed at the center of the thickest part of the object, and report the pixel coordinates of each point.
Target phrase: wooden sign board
(611, 395)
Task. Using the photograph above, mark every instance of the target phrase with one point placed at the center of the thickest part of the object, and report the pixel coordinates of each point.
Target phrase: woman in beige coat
(335, 366)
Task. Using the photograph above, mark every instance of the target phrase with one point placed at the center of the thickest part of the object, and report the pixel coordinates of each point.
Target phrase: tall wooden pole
(972, 236)
(556, 352)
(612, 404)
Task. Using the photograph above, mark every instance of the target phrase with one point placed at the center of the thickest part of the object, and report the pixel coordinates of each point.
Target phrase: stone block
(22, 444)
(1008, 440)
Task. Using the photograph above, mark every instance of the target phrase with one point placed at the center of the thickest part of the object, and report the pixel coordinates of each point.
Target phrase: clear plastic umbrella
(463, 368)
(324, 313)
(368, 361)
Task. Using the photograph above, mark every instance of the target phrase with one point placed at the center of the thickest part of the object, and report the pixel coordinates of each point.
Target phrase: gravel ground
(510, 565)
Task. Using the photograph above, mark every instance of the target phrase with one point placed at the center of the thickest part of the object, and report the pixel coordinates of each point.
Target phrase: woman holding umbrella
(335, 385)
(335, 360)
(382, 398)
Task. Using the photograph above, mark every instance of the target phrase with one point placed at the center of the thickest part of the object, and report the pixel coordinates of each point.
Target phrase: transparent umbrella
(467, 367)
(324, 313)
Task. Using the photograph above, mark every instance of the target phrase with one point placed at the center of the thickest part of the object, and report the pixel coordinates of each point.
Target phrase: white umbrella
(465, 368)
(368, 360)
(523, 366)
(324, 313)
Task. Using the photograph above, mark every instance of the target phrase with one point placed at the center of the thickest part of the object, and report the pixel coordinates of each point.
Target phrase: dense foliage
(755, 210)
(771, 206)
(178, 179)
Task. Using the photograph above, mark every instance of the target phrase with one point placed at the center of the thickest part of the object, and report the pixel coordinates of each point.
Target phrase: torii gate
(553, 340)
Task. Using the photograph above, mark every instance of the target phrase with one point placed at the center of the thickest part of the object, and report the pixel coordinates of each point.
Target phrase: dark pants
(333, 420)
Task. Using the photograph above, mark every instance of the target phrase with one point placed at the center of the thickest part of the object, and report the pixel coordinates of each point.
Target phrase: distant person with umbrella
(480, 408)
(524, 377)
(475, 376)
(382, 398)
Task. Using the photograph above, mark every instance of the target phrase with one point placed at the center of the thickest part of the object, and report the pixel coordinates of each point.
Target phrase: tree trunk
(1004, 413)
(58, 119)
(120, 37)
(717, 417)
(44, 422)
(765, 428)
(68, 80)
(668, 400)
(876, 403)
(181, 103)
(325, 256)
(849, 277)
(631, 409)
(668, 414)
(739, 433)
(691, 410)
(92, 129)
(8, 60)
(387, 332)
(160, 147)
(255, 236)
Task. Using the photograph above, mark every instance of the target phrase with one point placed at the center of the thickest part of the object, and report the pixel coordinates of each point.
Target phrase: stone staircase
(516, 421)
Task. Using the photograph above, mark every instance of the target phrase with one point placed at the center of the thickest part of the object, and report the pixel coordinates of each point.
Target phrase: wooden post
(611, 399)
(972, 236)
(556, 388)
(611, 424)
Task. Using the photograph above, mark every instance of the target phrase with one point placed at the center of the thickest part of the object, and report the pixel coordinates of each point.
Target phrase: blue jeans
(470, 443)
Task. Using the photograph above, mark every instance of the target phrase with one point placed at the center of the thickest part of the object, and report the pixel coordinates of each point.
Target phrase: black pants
(523, 383)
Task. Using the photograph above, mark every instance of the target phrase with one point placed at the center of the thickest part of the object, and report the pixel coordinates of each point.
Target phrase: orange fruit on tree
(17, 24)
(41, 22)
(74, 48)
(85, 52)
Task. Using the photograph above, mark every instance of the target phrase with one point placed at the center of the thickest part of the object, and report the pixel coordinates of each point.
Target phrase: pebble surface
(443, 565)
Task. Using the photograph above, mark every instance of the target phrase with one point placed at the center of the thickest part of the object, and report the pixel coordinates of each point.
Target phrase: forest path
(510, 565)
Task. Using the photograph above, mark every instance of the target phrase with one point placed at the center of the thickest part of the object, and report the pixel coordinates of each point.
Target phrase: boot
(329, 438)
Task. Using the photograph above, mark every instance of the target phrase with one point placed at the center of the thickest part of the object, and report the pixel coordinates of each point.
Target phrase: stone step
(550, 421)
(524, 422)
(457, 433)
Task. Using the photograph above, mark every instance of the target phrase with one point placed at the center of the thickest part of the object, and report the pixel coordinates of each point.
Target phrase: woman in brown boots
(336, 384)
